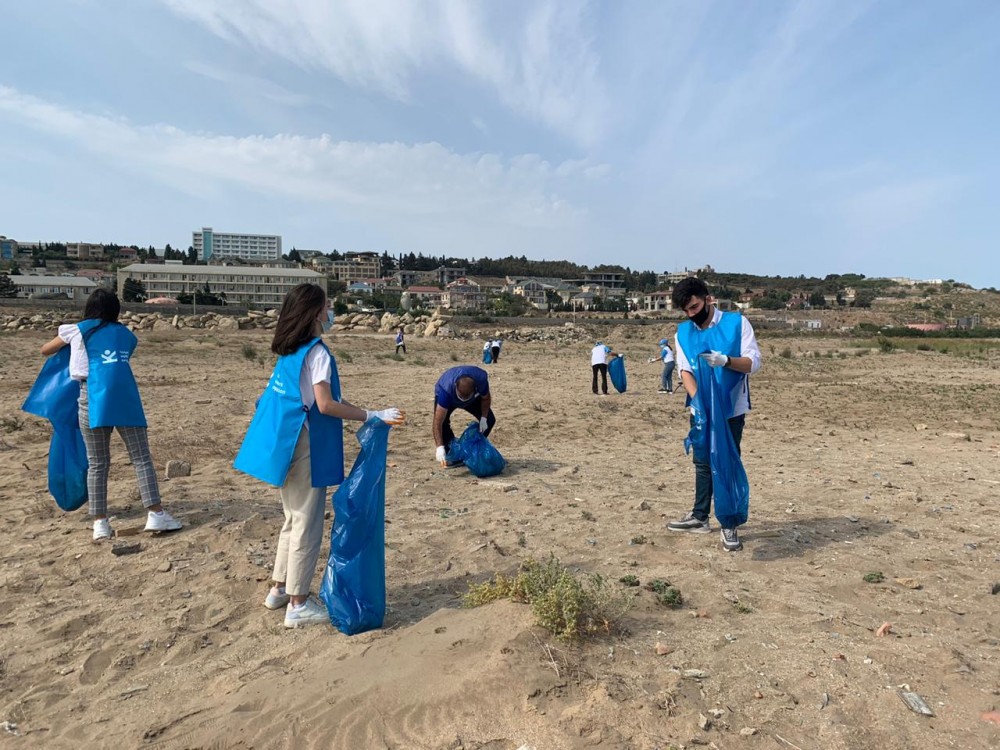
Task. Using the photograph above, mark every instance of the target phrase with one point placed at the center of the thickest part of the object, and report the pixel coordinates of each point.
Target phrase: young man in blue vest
(465, 387)
(717, 340)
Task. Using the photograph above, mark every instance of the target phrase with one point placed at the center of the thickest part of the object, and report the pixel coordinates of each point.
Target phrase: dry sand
(172, 648)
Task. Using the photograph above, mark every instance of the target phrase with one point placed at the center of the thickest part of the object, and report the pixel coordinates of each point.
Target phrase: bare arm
(690, 384)
(487, 402)
(740, 364)
(51, 347)
(440, 414)
(338, 409)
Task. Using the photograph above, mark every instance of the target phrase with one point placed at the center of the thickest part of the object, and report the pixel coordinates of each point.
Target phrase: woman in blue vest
(100, 351)
(296, 442)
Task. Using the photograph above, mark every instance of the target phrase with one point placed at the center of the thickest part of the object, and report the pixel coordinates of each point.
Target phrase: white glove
(439, 454)
(651, 359)
(483, 424)
(389, 416)
(715, 359)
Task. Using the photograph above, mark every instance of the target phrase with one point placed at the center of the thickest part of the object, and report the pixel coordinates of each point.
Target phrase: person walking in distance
(400, 341)
(667, 375)
(714, 339)
(101, 351)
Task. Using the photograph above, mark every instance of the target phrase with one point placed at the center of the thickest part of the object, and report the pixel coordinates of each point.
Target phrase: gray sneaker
(690, 523)
(310, 612)
(731, 540)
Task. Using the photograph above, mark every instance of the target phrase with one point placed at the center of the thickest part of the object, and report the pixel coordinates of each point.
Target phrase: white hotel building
(241, 285)
(210, 244)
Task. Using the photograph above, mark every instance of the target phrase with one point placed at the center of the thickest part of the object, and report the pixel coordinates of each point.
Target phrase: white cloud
(542, 65)
(391, 182)
(250, 84)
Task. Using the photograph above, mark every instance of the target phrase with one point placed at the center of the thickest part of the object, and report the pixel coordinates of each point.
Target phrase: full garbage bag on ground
(616, 371)
(54, 397)
(477, 452)
(353, 587)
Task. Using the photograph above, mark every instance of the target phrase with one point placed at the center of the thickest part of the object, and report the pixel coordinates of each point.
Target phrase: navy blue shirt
(444, 391)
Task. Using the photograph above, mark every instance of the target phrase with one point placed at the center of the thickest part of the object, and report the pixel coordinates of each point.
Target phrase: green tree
(7, 287)
(133, 291)
(294, 256)
(192, 256)
(816, 299)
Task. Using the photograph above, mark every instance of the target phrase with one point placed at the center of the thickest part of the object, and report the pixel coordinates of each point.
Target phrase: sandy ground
(859, 464)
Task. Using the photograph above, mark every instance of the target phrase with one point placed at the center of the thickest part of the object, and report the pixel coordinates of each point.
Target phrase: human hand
(483, 424)
(715, 359)
(391, 416)
(439, 454)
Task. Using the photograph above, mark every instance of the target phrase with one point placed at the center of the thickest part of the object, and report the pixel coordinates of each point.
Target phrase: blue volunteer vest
(710, 437)
(112, 394)
(267, 449)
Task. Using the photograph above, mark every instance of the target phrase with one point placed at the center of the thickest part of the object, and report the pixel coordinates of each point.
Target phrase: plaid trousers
(98, 443)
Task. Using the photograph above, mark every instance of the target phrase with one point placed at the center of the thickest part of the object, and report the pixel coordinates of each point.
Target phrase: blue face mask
(328, 323)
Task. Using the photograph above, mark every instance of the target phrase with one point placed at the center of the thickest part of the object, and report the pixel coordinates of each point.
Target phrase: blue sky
(757, 136)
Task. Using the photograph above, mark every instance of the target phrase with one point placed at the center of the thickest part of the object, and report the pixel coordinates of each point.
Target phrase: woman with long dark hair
(296, 442)
(100, 351)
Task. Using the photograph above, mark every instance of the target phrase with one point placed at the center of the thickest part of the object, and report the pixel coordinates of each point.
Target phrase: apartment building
(8, 248)
(31, 286)
(210, 244)
(84, 250)
(240, 285)
(356, 266)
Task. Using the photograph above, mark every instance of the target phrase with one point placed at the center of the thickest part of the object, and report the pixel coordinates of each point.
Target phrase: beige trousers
(302, 535)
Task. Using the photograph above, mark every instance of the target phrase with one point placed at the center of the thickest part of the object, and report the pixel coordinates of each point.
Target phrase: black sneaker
(731, 540)
(690, 523)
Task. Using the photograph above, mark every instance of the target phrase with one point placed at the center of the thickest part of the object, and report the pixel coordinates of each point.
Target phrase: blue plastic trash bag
(616, 371)
(478, 453)
(712, 443)
(353, 587)
(487, 356)
(54, 397)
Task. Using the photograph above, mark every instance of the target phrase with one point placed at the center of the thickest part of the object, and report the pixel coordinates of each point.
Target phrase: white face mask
(328, 323)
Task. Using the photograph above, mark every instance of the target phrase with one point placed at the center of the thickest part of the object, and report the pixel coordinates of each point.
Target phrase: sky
(756, 136)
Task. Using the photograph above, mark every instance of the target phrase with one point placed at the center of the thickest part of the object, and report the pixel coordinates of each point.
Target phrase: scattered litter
(124, 548)
(915, 703)
(824, 701)
(884, 629)
(10, 727)
(694, 674)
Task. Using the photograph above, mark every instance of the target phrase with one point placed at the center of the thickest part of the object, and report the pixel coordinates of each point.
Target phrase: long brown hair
(297, 318)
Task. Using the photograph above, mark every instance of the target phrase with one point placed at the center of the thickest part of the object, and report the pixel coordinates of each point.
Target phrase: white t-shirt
(79, 362)
(666, 354)
(599, 355)
(315, 369)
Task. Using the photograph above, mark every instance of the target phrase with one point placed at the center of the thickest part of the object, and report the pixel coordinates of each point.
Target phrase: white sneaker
(102, 529)
(276, 598)
(310, 612)
(161, 521)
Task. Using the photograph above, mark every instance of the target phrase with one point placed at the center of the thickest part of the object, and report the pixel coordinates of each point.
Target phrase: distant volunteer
(296, 442)
(400, 341)
(599, 364)
(465, 387)
(495, 349)
(667, 375)
(101, 350)
(725, 343)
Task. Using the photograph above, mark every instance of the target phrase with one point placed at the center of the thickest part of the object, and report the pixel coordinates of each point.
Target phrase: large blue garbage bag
(712, 443)
(487, 356)
(616, 371)
(478, 453)
(353, 587)
(54, 397)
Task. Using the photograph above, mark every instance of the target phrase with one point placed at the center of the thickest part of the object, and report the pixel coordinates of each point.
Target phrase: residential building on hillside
(605, 279)
(84, 250)
(657, 302)
(463, 294)
(356, 266)
(8, 248)
(535, 292)
(241, 285)
(607, 292)
(489, 284)
(429, 295)
(209, 244)
(33, 286)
